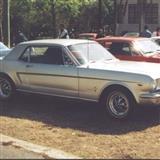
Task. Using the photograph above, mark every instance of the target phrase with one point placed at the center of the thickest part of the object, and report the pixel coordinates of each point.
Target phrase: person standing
(20, 37)
(156, 33)
(100, 33)
(63, 33)
(146, 33)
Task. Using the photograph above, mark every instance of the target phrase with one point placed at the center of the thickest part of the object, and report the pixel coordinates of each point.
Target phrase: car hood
(143, 68)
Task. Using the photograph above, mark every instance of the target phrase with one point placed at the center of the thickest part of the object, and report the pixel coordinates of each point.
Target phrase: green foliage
(43, 17)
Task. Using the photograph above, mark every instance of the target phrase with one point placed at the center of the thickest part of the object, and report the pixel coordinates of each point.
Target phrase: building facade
(132, 15)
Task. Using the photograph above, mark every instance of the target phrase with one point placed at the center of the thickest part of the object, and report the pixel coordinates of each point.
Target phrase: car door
(50, 70)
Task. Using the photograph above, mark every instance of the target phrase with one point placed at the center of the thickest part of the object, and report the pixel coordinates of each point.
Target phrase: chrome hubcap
(118, 104)
(5, 88)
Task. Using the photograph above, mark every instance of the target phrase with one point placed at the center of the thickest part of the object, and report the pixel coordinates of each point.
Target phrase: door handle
(28, 65)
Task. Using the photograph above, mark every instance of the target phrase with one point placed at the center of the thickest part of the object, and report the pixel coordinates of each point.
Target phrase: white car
(4, 50)
(79, 69)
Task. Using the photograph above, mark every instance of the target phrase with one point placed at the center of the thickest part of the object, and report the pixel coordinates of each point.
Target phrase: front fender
(133, 88)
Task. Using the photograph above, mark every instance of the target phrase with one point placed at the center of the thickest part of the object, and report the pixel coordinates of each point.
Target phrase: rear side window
(32, 54)
(120, 48)
(46, 55)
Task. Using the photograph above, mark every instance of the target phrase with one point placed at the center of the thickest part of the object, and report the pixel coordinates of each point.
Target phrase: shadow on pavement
(82, 116)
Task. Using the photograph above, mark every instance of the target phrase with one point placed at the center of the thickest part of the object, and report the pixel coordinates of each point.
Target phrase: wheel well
(8, 77)
(119, 87)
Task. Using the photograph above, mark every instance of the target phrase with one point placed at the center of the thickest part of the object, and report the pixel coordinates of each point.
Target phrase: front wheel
(6, 88)
(118, 103)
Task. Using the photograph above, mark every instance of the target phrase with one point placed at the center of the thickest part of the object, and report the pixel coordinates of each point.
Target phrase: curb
(45, 151)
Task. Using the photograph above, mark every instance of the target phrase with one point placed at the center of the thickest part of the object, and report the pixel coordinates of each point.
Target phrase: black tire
(7, 88)
(119, 103)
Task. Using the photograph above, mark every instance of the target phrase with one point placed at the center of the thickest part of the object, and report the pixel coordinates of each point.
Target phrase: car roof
(117, 39)
(64, 42)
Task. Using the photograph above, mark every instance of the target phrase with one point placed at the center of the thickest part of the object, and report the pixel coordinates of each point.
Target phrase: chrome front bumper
(150, 98)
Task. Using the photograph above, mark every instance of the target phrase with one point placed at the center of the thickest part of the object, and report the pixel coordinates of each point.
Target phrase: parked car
(132, 49)
(4, 50)
(79, 69)
(156, 39)
(90, 36)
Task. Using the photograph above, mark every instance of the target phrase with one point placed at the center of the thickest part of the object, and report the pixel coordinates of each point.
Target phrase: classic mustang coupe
(79, 69)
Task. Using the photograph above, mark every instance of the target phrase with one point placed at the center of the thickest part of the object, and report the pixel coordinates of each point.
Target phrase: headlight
(158, 84)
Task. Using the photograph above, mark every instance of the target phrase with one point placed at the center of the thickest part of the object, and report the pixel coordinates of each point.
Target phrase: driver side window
(120, 48)
(126, 49)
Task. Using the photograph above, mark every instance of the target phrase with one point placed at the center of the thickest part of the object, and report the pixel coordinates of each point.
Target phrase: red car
(132, 49)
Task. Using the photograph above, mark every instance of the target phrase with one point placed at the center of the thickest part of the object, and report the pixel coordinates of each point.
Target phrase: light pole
(6, 22)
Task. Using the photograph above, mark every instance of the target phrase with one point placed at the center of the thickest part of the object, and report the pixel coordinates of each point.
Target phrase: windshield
(90, 52)
(2, 46)
(147, 46)
(157, 41)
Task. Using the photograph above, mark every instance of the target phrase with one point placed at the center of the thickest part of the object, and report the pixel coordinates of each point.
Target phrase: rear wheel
(118, 103)
(6, 88)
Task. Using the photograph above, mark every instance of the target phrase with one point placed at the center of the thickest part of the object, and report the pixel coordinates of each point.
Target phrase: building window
(151, 14)
(133, 14)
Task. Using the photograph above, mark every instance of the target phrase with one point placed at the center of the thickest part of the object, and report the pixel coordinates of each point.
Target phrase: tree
(6, 22)
(91, 14)
(1, 11)
(20, 11)
(41, 18)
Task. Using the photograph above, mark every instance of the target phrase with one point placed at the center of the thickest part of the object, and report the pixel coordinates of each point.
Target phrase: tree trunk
(6, 22)
(115, 17)
(1, 11)
(99, 14)
(53, 3)
(141, 5)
